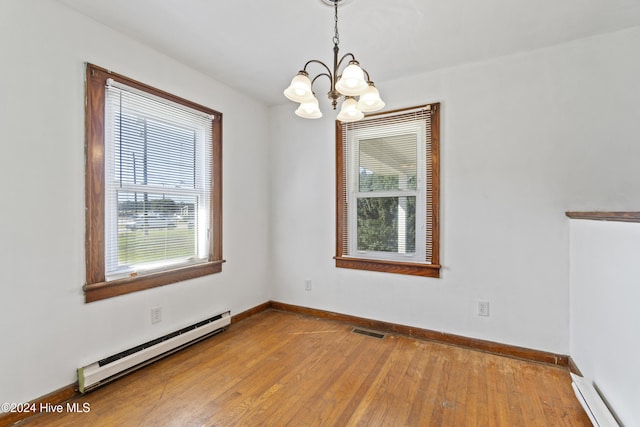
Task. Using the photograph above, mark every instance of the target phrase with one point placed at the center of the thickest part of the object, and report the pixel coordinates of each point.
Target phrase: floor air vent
(368, 333)
(117, 365)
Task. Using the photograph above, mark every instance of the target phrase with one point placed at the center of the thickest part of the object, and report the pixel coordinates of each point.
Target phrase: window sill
(414, 269)
(102, 290)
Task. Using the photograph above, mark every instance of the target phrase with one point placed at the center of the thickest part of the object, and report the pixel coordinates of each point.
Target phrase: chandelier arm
(346, 55)
(321, 74)
(366, 74)
(317, 62)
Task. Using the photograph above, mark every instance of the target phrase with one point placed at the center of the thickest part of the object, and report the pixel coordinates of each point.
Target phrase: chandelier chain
(336, 37)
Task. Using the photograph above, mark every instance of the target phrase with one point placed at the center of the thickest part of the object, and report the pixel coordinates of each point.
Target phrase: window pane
(155, 227)
(158, 180)
(387, 224)
(388, 163)
(154, 153)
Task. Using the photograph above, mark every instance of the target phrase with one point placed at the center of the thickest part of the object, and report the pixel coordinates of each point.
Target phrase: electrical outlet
(156, 315)
(307, 285)
(483, 308)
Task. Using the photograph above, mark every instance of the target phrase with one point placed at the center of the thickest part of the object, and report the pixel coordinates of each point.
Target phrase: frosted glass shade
(309, 109)
(300, 88)
(352, 82)
(349, 111)
(370, 100)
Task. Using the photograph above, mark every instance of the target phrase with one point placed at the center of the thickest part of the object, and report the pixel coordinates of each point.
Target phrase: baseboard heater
(112, 367)
(593, 403)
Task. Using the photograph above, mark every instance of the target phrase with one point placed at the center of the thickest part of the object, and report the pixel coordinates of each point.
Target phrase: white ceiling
(257, 46)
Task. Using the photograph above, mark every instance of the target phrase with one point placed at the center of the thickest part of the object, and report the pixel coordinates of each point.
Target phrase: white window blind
(158, 160)
(388, 187)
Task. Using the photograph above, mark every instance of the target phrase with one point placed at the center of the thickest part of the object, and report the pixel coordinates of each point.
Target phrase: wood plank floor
(284, 369)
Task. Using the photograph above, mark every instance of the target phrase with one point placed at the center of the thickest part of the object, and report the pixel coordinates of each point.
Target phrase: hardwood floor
(277, 369)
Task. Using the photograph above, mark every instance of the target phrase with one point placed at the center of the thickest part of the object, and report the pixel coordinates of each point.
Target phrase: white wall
(524, 139)
(605, 320)
(47, 330)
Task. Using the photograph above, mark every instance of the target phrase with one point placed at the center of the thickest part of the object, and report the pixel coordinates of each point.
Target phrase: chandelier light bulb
(352, 82)
(349, 111)
(370, 100)
(309, 109)
(300, 87)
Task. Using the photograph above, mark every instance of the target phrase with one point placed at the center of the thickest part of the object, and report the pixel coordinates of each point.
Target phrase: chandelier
(360, 95)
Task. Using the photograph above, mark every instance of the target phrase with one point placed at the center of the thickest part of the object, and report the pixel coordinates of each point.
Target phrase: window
(153, 187)
(388, 192)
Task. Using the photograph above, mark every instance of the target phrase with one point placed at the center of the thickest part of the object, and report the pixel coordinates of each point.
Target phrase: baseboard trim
(426, 334)
(54, 398)
(250, 312)
(574, 368)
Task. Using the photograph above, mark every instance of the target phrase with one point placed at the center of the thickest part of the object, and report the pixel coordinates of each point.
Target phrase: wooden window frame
(96, 287)
(343, 260)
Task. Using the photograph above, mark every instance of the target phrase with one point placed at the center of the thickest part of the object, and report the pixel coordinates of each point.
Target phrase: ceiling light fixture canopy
(352, 82)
